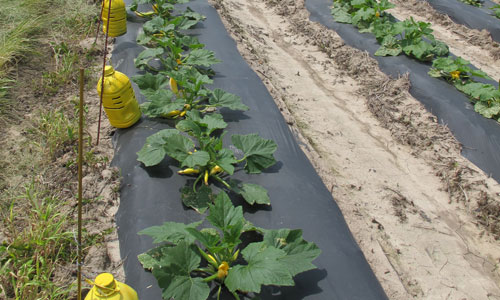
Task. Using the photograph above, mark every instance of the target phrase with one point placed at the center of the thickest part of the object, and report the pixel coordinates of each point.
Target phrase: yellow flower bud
(215, 170)
(223, 270)
(455, 74)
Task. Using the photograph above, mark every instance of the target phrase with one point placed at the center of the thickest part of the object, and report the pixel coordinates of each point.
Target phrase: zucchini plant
(486, 97)
(413, 38)
(161, 8)
(187, 92)
(208, 161)
(191, 261)
(477, 3)
(363, 14)
(170, 53)
(455, 70)
(496, 10)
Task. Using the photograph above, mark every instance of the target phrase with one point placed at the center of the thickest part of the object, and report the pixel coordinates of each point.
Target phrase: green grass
(26, 25)
(30, 254)
(36, 220)
(55, 133)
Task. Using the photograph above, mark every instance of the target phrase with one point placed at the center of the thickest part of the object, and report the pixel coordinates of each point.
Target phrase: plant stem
(196, 181)
(218, 293)
(235, 295)
(221, 181)
(203, 270)
(241, 160)
(210, 278)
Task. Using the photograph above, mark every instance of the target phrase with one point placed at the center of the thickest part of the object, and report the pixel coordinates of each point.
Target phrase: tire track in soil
(419, 245)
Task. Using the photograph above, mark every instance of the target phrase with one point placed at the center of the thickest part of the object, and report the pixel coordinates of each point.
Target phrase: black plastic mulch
(150, 196)
(471, 16)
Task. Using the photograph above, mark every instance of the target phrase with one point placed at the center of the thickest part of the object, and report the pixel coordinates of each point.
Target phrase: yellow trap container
(117, 17)
(118, 99)
(107, 288)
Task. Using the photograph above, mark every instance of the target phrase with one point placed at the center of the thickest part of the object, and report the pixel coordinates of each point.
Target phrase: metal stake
(80, 177)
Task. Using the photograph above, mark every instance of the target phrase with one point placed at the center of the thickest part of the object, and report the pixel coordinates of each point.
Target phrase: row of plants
(415, 39)
(233, 254)
(496, 10)
(479, 3)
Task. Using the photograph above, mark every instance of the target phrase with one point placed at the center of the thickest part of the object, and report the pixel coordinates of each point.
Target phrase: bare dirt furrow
(391, 168)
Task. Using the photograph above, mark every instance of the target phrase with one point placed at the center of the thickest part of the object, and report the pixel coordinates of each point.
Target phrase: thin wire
(103, 70)
(80, 178)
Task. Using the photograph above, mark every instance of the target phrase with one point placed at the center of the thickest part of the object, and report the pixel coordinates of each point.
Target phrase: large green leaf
(178, 146)
(161, 103)
(445, 63)
(433, 72)
(197, 125)
(225, 99)
(363, 14)
(341, 15)
(144, 39)
(184, 256)
(264, 268)
(489, 110)
(171, 232)
(440, 48)
(189, 13)
(153, 151)
(232, 234)
(152, 258)
(385, 50)
(223, 214)
(208, 237)
(189, 126)
(389, 46)
(150, 84)
(480, 91)
(481, 74)
(180, 286)
(174, 275)
(145, 56)
(156, 25)
(213, 122)
(258, 151)
(252, 193)
(198, 200)
(421, 50)
(201, 57)
(198, 158)
(225, 160)
(300, 253)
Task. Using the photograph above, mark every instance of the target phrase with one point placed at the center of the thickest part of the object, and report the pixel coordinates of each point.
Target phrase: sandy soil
(405, 191)
(103, 185)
